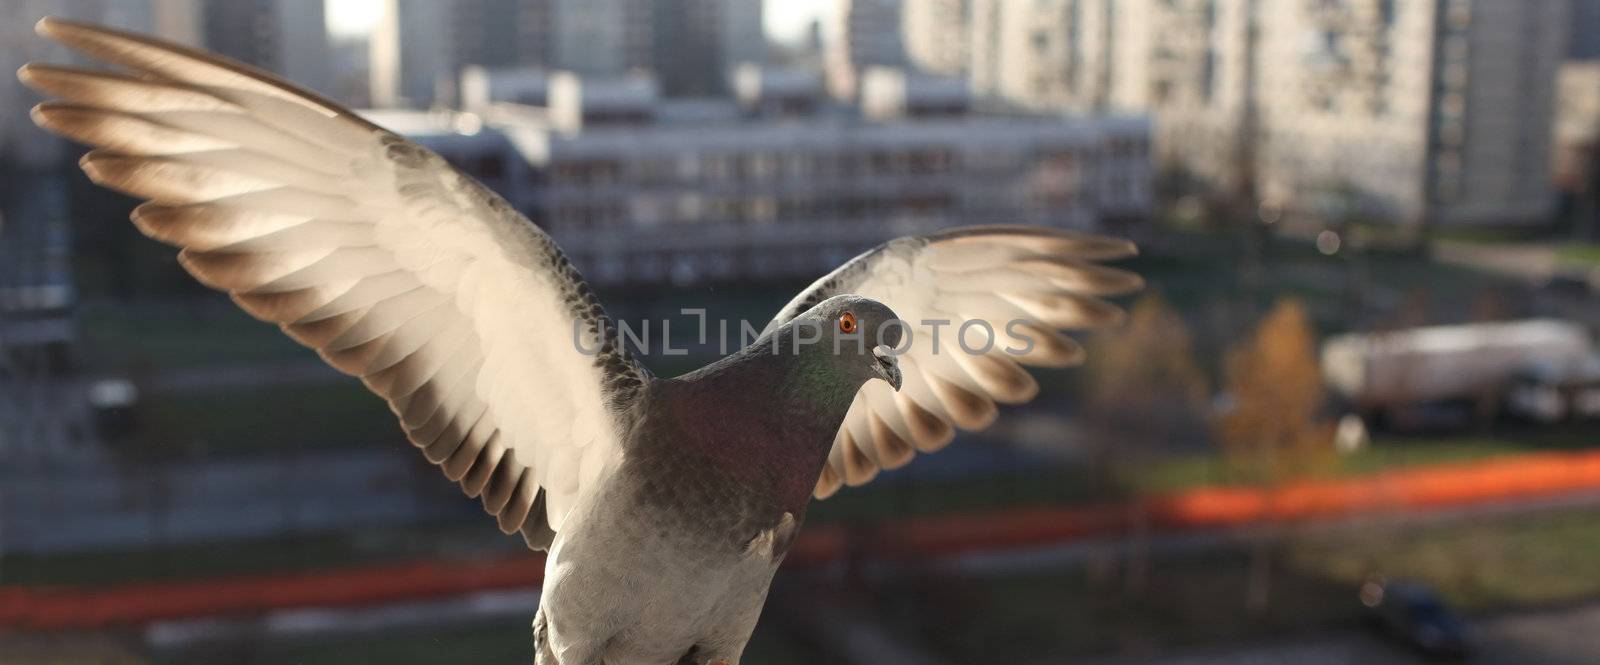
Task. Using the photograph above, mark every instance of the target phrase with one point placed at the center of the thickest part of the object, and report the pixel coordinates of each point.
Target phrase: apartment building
(420, 47)
(699, 43)
(289, 37)
(1583, 40)
(1043, 54)
(866, 33)
(936, 35)
(1433, 111)
(1426, 112)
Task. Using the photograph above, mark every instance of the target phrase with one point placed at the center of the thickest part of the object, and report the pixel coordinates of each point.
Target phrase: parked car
(1412, 614)
(1571, 283)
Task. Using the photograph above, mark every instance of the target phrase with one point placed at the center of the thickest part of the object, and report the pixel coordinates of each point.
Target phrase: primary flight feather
(666, 504)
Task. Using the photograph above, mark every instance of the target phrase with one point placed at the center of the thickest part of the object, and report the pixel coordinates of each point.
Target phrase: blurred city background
(1354, 418)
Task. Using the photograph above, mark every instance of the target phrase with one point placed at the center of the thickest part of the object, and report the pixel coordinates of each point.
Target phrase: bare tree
(1145, 392)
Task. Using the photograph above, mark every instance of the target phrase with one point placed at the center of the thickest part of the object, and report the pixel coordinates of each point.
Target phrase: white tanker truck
(1541, 369)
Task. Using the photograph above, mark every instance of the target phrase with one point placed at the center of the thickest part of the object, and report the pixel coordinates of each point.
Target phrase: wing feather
(1017, 287)
(369, 249)
(107, 90)
(123, 133)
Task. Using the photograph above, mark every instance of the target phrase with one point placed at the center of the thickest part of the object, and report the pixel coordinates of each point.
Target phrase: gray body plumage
(672, 555)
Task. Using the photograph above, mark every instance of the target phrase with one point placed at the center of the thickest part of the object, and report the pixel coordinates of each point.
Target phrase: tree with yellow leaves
(1271, 427)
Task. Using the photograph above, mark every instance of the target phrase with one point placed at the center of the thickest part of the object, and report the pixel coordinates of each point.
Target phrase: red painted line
(1520, 477)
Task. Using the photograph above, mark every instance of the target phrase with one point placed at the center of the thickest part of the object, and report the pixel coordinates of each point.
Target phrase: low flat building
(640, 190)
(36, 287)
(42, 416)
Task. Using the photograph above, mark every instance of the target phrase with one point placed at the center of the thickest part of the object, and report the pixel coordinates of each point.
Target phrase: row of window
(693, 208)
(749, 168)
(771, 167)
(688, 267)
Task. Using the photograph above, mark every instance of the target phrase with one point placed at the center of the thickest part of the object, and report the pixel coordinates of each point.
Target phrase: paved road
(1555, 637)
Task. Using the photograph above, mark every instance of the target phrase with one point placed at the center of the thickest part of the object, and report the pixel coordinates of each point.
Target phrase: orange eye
(847, 323)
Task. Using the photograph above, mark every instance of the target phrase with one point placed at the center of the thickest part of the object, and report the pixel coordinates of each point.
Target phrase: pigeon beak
(887, 367)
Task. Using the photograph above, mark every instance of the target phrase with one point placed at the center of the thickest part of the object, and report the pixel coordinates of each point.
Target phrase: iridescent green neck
(767, 412)
(815, 385)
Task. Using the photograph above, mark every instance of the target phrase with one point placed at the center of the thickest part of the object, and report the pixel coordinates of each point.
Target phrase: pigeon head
(858, 337)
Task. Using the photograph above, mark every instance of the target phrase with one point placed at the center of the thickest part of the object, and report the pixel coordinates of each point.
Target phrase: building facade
(866, 33)
(288, 37)
(1024, 52)
(936, 35)
(1429, 111)
(1424, 112)
(716, 191)
(1583, 39)
(699, 44)
(1577, 126)
(1052, 54)
(603, 37)
(410, 59)
(692, 46)
(496, 33)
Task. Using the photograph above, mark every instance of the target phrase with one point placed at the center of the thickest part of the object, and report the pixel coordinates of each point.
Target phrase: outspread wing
(1014, 282)
(372, 250)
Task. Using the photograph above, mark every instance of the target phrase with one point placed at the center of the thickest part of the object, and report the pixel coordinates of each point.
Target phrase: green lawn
(1479, 565)
(1494, 234)
(1580, 254)
(266, 420)
(885, 501)
(207, 329)
(164, 335)
(1194, 600)
(1186, 472)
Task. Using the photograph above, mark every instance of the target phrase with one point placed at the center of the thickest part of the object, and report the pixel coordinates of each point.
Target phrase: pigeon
(665, 504)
